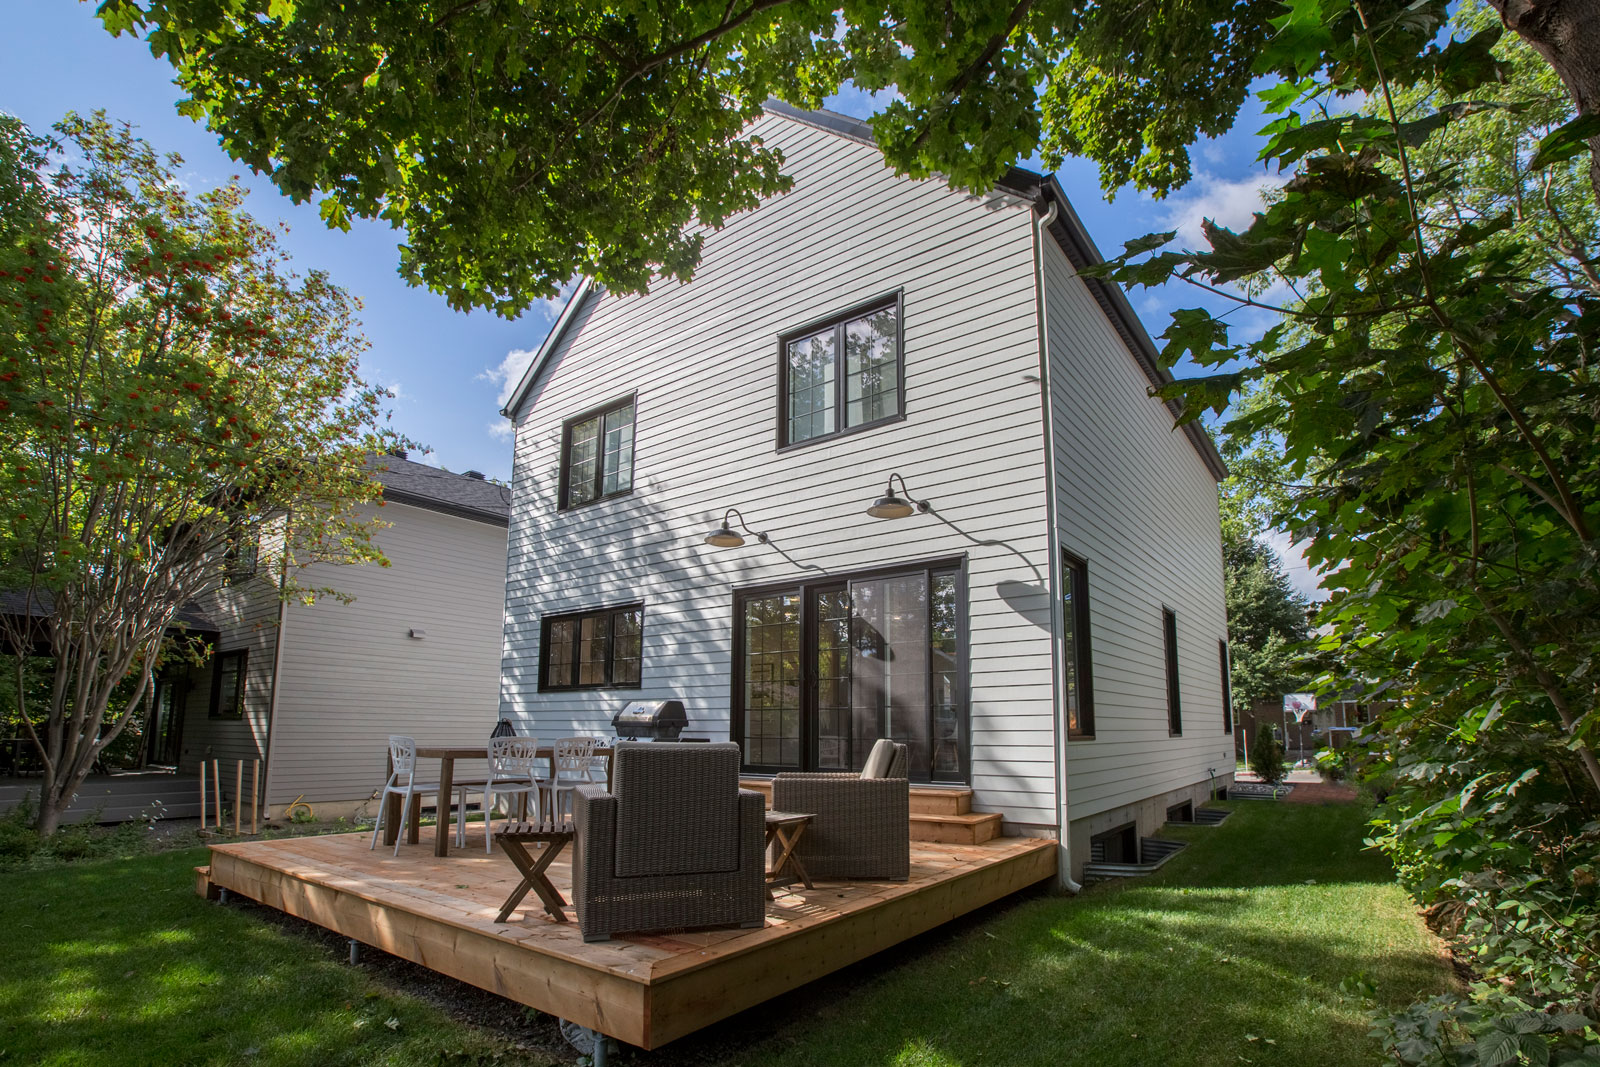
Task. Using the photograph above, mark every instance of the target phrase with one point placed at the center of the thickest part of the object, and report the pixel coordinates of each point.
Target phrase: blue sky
(447, 368)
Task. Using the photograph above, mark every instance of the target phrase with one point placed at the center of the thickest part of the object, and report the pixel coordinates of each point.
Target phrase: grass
(1233, 954)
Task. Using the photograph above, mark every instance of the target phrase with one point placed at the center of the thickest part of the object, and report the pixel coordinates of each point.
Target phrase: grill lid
(657, 719)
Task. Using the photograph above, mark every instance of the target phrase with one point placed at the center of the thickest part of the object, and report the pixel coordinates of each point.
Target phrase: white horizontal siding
(352, 675)
(1136, 502)
(702, 359)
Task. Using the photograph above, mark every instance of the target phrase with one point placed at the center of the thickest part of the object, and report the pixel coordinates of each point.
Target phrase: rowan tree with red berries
(169, 391)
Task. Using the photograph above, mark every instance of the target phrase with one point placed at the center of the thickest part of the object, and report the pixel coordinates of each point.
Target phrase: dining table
(447, 756)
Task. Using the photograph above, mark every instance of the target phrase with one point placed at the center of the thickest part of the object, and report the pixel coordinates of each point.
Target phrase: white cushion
(879, 759)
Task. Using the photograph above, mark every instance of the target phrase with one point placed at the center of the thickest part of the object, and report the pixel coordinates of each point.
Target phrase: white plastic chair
(572, 766)
(403, 784)
(511, 772)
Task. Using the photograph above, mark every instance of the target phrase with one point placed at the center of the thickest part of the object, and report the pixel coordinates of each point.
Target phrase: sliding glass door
(824, 669)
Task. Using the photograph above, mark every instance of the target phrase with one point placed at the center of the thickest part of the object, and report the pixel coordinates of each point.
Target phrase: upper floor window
(597, 455)
(242, 556)
(593, 649)
(1169, 637)
(841, 374)
(1075, 641)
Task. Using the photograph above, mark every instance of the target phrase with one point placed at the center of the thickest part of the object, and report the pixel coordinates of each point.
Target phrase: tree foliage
(1432, 393)
(1266, 755)
(168, 394)
(1267, 624)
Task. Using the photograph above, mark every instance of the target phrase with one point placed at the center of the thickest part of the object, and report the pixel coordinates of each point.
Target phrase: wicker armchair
(862, 824)
(675, 843)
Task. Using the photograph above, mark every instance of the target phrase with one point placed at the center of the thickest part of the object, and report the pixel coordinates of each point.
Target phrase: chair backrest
(403, 756)
(677, 808)
(886, 760)
(574, 756)
(512, 757)
(504, 728)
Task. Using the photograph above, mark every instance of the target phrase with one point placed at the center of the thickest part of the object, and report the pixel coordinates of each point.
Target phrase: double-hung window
(841, 374)
(1169, 637)
(597, 455)
(593, 649)
(1075, 641)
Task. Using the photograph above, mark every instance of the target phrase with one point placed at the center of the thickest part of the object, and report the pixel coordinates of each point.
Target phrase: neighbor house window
(593, 650)
(597, 455)
(1075, 643)
(840, 375)
(242, 556)
(227, 684)
(1169, 632)
(1227, 688)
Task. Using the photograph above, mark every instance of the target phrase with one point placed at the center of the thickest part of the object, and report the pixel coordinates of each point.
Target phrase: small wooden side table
(785, 828)
(513, 839)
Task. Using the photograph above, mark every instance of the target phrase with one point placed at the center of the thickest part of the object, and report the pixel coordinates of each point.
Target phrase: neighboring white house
(314, 691)
(1050, 632)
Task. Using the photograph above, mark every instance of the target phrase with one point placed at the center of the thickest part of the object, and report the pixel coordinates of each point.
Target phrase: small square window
(593, 649)
(841, 374)
(597, 455)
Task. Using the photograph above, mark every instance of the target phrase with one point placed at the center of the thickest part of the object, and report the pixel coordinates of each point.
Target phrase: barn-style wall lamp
(890, 506)
(725, 536)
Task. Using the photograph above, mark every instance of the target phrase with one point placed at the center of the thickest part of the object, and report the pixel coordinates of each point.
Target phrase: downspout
(1057, 621)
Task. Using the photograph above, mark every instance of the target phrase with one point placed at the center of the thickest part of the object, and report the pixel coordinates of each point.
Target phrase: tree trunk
(1567, 34)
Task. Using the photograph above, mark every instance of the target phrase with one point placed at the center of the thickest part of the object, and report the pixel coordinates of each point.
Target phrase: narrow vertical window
(840, 375)
(227, 684)
(1227, 688)
(1169, 630)
(1078, 673)
(597, 455)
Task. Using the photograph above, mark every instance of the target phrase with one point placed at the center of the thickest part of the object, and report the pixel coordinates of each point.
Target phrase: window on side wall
(227, 684)
(841, 374)
(1075, 646)
(597, 455)
(242, 557)
(1227, 687)
(600, 649)
(1169, 631)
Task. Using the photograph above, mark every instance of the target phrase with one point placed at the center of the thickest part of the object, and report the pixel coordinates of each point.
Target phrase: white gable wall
(1138, 504)
(702, 359)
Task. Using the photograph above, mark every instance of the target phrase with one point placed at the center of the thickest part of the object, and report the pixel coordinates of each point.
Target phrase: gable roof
(465, 496)
(1067, 229)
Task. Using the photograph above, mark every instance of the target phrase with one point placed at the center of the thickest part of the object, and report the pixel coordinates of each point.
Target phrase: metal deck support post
(355, 952)
(600, 1050)
(222, 896)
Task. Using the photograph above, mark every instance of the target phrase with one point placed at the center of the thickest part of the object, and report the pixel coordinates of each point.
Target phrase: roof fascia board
(551, 340)
(1079, 247)
(399, 496)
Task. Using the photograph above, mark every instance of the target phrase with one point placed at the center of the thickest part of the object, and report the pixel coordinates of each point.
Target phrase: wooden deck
(645, 990)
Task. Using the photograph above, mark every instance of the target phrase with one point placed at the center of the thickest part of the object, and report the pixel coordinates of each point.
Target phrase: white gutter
(1057, 616)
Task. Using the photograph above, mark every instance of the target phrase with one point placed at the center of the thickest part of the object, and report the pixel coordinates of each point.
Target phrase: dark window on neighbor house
(1075, 642)
(597, 455)
(227, 684)
(242, 556)
(1227, 688)
(593, 650)
(841, 374)
(1169, 631)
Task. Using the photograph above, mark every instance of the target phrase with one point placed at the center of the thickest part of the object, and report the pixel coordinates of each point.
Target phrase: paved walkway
(1320, 793)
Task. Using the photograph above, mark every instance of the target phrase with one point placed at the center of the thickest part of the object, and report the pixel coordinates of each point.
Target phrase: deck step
(934, 801)
(969, 828)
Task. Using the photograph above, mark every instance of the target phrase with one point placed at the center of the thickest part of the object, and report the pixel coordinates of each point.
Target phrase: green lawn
(1233, 954)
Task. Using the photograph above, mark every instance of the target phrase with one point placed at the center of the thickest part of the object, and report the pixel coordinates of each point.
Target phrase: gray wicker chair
(862, 824)
(675, 843)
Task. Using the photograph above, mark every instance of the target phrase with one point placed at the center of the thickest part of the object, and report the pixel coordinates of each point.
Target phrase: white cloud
(502, 429)
(1292, 554)
(1226, 202)
(511, 368)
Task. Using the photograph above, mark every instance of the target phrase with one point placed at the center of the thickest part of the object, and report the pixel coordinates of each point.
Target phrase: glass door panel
(771, 673)
(889, 664)
(835, 744)
(944, 674)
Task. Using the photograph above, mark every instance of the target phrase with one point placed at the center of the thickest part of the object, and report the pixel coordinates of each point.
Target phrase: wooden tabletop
(482, 751)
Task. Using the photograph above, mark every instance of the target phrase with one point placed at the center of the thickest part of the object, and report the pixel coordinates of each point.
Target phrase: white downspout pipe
(1057, 621)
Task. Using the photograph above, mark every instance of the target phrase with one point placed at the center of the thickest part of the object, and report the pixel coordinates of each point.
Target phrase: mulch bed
(1321, 793)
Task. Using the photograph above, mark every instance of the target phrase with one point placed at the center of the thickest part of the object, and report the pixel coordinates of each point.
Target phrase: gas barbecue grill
(650, 720)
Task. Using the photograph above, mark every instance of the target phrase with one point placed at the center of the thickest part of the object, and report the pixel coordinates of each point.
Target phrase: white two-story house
(1040, 615)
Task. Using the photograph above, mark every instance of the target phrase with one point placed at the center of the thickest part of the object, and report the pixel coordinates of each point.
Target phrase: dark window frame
(545, 623)
(1227, 685)
(1169, 641)
(242, 656)
(1083, 658)
(808, 678)
(837, 320)
(600, 411)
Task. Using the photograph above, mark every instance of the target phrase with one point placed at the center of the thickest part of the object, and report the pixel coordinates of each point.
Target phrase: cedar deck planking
(642, 989)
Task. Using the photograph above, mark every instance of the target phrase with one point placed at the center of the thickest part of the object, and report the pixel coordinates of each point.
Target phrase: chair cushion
(677, 808)
(879, 760)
